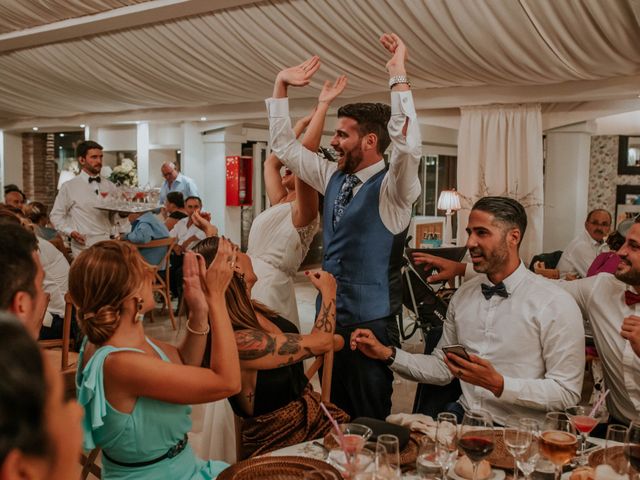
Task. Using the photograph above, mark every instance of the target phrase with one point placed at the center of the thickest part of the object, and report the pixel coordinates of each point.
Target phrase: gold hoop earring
(139, 306)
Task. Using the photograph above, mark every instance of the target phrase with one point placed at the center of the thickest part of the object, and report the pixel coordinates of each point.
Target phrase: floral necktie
(344, 197)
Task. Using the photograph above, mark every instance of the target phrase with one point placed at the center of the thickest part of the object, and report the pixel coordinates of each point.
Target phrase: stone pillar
(566, 184)
(39, 167)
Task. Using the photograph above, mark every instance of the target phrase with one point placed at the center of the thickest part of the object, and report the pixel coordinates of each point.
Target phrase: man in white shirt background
(176, 182)
(524, 335)
(367, 211)
(74, 211)
(578, 256)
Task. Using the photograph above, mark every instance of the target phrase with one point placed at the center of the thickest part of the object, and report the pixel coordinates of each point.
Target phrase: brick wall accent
(39, 170)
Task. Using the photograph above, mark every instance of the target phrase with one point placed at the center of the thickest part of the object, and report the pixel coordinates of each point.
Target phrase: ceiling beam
(128, 17)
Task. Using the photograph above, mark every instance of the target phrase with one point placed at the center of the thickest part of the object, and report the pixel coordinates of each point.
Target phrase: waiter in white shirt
(74, 211)
(524, 335)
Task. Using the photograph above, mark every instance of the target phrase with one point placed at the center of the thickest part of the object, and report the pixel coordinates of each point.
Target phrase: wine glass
(584, 423)
(517, 438)
(447, 440)
(476, 437)
(632, 445)
(616, 435)
(558, 440)
(353, 438)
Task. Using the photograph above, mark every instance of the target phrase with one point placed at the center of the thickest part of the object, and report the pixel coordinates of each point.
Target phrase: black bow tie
(488, 291)
(94, 179)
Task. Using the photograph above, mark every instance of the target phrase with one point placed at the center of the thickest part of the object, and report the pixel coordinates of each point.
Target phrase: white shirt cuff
(402, 104)
(510, 390)
(401, 360)
(277, 107)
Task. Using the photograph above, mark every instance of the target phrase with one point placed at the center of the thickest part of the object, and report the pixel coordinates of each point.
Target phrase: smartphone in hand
(458, 350)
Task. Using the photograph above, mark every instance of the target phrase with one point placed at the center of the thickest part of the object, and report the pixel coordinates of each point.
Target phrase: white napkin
(416, 422)
(605, 472)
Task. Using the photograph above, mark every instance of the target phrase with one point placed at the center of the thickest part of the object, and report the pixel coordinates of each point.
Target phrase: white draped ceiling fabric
(500, 153)
(577, 58)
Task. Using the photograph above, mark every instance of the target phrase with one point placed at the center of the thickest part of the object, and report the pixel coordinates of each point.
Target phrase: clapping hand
(221, 270)
(631, 331)
(193, 273)
(300, 75)
(396, 47)
(330, 91)
(323, 281)
(202, 220)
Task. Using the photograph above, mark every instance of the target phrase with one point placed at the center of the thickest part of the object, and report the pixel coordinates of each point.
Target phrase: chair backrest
(63, 343)
(169, 243)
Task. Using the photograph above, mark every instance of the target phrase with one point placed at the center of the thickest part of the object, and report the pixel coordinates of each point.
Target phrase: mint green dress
(152, 428)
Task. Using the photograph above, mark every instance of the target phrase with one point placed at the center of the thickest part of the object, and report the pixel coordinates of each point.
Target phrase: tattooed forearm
(326, 317)
(291, 345)
(306, 354)
(253, 344)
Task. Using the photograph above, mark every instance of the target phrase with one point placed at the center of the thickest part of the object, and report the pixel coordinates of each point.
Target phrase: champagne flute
(517, 438)
(584, 423)
(476, 437)
(447, 440)
(388, 467)
(428, 463)
(558, 440)
(632, 445)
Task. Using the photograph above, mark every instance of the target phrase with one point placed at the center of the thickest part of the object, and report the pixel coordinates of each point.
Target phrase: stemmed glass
(584, 423)
(558, 440)
(616, 435)
(476, 437)
(447, 440)
(388, 465)
(428, 463)
(528, 459)
(517, 438)
(632, 445)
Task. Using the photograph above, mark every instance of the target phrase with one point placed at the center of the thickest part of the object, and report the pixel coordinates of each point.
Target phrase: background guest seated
(136, 391)
(144, 228)
(40, 433)
(276, 402)
(174, 209)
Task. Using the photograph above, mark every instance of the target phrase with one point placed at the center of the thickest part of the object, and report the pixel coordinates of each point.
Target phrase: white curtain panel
(500, 153)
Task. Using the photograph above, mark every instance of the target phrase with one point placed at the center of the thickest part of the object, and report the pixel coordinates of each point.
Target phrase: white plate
(496, 474)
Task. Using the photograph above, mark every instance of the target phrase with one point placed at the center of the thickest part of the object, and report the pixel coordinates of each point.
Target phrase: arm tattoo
(324, 321)
(307, 354)
(291, 345)
(253, 344)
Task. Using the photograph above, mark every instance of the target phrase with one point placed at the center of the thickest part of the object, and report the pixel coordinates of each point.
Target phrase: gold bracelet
(195, 332)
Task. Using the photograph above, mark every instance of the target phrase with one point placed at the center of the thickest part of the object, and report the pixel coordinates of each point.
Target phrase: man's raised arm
(304, 163)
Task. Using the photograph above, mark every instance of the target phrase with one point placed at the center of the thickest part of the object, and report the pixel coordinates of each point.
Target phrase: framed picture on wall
(627, 202)
(628, 155)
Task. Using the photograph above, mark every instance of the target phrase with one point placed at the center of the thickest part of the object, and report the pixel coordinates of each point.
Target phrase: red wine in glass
(632, 452)
(476, 448)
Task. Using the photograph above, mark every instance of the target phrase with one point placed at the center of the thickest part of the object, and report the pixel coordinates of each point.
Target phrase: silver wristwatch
(396, 79)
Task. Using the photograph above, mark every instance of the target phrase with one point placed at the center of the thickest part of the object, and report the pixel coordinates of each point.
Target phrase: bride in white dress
(279, 240)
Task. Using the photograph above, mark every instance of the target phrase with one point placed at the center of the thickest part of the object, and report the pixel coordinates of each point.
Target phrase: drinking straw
(598, 403)
(338, 432)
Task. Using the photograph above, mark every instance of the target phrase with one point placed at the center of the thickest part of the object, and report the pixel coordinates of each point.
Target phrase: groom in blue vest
(367, 210)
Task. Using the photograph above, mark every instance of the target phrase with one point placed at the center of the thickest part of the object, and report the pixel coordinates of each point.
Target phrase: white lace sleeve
(307, 233)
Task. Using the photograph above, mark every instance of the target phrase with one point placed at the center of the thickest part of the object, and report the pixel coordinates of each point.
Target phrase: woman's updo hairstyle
(23, 392)
(101, 280)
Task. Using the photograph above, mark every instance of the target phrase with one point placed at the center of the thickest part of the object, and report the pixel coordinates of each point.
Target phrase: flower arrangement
(125, 173)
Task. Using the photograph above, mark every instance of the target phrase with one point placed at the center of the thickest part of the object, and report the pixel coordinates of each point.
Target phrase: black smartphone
(458, 350)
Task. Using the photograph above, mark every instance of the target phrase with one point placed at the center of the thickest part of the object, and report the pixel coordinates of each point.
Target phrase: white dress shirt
(75, 210)
(182, 231)
(400, 186)
(580, 254)
(601, 299)
(534, 338)
(56, 275)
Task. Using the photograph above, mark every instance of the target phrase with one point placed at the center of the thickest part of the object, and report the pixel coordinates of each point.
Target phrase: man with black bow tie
(524, 335)
(74, 211)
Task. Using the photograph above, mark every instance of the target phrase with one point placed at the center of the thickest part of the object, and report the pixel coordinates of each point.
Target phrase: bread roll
(583, 473)
(464, 468)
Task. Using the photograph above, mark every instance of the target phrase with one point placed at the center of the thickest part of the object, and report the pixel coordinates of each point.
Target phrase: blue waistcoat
(362, 254)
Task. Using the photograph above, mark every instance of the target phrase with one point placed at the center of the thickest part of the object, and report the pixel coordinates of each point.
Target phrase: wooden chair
(161, 283)
(63, 345)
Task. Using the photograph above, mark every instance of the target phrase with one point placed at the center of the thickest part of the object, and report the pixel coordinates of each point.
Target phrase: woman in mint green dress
(136, 392)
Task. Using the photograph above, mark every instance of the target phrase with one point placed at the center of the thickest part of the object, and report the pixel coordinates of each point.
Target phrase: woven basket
(614, 455)
(275, 468)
